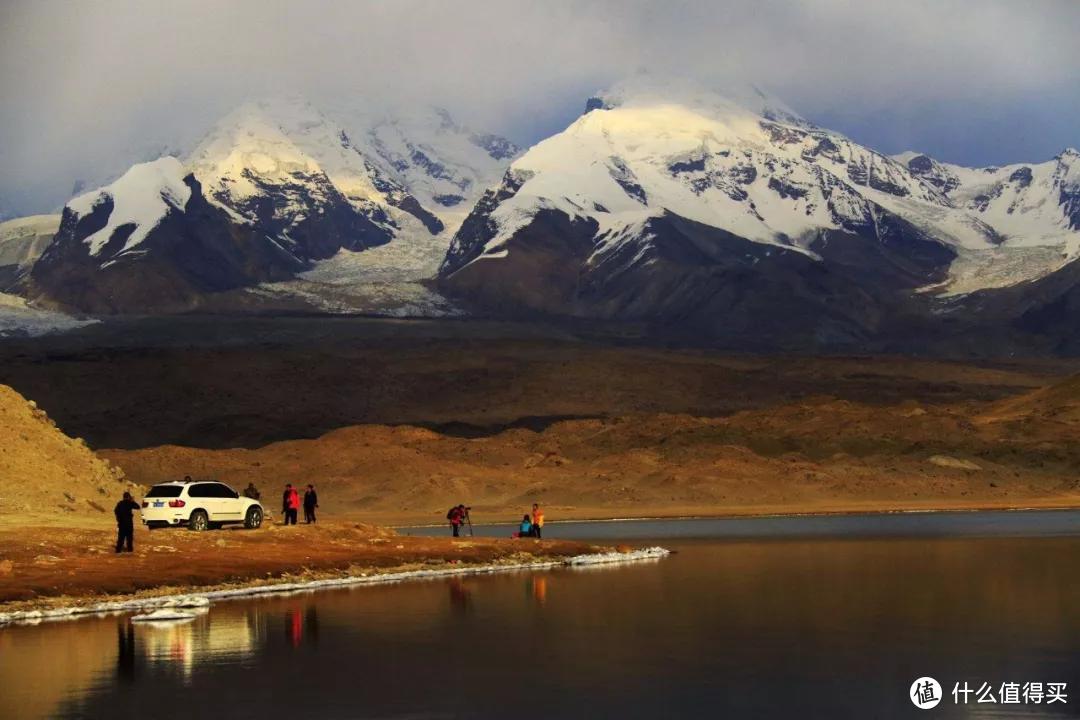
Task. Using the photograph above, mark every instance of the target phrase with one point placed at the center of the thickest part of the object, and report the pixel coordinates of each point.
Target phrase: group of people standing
(531, 525)
(290, 504)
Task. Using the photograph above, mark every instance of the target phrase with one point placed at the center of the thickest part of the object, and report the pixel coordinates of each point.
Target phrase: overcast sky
(91, 86)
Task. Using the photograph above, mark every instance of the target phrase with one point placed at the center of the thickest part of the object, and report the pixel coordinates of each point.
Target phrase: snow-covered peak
(141, 197)
(652, 148)
(444, 164)
(645, 89)
(331, 148)
(403, 164)
(907, 156)
(248, 141)
(746, 163)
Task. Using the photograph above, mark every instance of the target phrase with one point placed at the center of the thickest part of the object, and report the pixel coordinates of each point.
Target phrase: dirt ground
(43, 566)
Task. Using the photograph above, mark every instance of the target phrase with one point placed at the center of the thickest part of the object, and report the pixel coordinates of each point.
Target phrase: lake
(771, 618)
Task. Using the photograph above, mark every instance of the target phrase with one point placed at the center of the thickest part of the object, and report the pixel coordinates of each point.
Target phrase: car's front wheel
(199, 521)
(254, 518)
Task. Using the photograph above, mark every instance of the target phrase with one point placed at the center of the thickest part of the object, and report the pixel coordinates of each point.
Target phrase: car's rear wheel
(199, 521)
(254, 518)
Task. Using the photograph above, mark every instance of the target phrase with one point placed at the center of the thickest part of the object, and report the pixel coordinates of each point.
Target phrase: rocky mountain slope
(679, 206)
(275, 189)
(152, 241)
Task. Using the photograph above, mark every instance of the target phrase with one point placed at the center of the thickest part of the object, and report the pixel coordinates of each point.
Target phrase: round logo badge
(925, 693)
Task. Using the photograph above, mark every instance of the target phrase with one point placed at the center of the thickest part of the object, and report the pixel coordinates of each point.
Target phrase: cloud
(89, 87)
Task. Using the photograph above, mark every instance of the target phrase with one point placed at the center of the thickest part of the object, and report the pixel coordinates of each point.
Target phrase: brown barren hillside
(45, 473)
(823, 454)
(1051, 409)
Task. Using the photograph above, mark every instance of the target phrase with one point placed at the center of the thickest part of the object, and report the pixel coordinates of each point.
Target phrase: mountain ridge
(896, 232)
(292, 189)
(724, 216)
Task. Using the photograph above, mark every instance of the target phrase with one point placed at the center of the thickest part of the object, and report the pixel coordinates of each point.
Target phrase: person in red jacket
(290, 504)
(456, 516)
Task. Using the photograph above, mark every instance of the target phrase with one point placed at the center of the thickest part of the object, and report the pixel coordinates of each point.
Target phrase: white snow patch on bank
(203, 600)
(165, 616)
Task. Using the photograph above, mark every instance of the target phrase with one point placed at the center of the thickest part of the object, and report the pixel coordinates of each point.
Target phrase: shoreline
(854, 512)
(206, 598)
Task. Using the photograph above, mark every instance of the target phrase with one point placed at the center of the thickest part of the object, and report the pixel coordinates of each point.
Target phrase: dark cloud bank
(88, 87)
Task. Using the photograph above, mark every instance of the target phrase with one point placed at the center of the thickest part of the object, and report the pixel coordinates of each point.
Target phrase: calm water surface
(804, 625)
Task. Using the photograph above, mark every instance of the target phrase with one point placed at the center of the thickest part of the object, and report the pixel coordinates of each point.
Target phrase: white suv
(199, 505)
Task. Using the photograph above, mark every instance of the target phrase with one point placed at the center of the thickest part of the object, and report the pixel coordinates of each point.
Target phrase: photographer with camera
(458, 516)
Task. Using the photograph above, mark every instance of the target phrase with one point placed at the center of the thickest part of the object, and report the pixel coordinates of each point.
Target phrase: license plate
(159, 503)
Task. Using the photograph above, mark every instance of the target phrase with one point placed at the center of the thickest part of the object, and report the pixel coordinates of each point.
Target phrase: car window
(164, 491)
(222, 491)
(201, 490)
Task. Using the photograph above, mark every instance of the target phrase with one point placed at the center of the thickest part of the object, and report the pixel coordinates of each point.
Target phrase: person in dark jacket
(290, 503)
(311, 501)
(125, 523)
(252, 492)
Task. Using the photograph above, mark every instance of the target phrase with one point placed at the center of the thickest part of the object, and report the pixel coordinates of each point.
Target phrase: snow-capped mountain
(403, 170)
(292, 173)
(445, 165)
(152, 241)
(1033, 211)
(1031, 204)
(671, 203)
(281, 187)
(724, 216)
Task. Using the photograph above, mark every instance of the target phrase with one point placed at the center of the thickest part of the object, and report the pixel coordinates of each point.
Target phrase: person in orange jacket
(537, 520)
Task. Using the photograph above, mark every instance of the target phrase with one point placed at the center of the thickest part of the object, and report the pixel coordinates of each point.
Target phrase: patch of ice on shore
(618, 557)
(165, 615)
(203, 600)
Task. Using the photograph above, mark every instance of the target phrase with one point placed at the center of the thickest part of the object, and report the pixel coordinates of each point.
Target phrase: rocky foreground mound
(43, 472)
